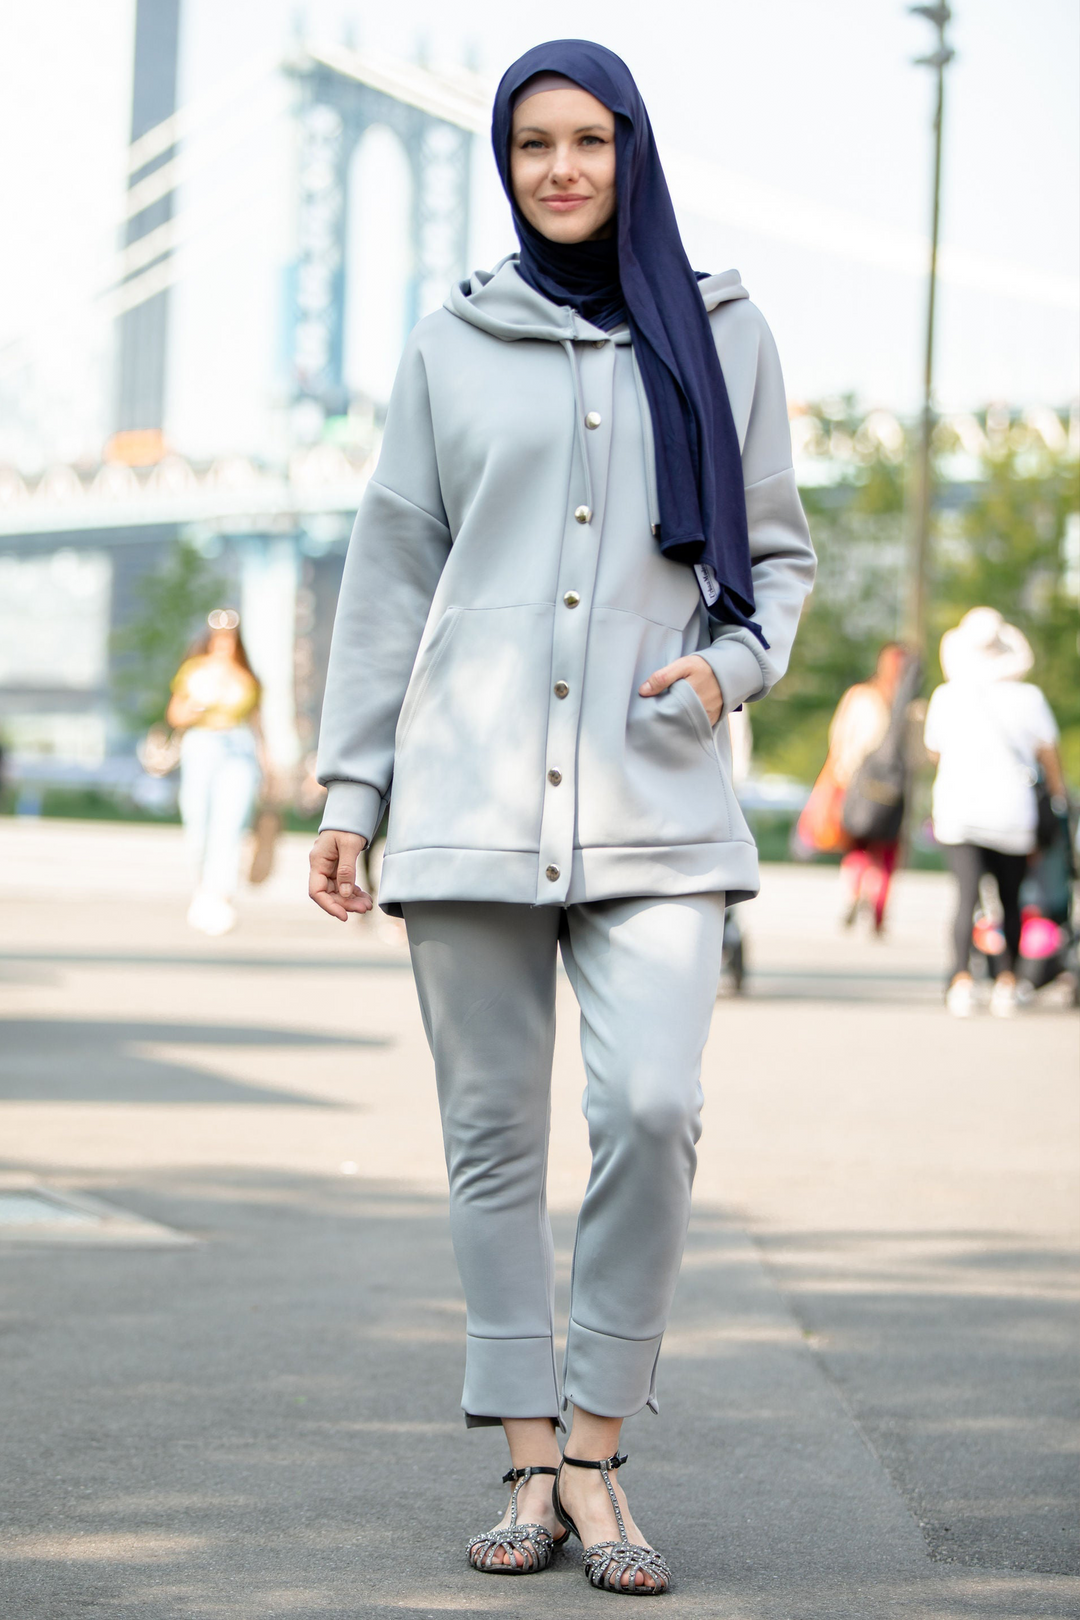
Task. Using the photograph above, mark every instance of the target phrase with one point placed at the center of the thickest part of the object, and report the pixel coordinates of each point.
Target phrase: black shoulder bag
(874, 803)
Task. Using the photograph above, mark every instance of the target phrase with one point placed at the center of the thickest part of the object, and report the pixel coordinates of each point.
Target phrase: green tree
(857, 603)
(999, 540)
(172, 602)
(1005, 548)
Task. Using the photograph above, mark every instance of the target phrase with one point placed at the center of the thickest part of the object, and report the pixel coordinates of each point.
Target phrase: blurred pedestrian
(991, 734)
(586, 545)
(867, 764)
(215, 703)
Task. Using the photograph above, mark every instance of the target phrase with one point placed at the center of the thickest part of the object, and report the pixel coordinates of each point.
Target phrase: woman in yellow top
(215, 702)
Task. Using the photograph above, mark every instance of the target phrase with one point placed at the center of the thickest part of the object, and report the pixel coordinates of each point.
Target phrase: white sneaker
(1004, 1001)
(960, 998)
(211, 914)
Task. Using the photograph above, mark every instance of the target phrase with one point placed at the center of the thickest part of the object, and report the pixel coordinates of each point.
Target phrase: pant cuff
(609, 1376)
(509, 1378)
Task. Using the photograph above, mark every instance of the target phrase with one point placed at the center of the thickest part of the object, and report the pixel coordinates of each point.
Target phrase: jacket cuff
(354, 807)
(736, 669)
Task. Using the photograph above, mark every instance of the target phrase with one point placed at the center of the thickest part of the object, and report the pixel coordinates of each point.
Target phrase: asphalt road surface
(229, 1388)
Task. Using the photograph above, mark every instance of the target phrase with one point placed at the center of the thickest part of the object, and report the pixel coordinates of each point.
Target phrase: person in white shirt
(991, 732)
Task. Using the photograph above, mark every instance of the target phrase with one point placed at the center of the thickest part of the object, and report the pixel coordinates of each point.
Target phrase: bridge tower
(342, 93)
(143, 329)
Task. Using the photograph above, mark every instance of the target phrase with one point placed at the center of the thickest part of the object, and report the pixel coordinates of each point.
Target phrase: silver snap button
(593, 420)
(554, 777)
(583, 514)
(571, 598)
(552, 874)
(561, 689)
(598, 343)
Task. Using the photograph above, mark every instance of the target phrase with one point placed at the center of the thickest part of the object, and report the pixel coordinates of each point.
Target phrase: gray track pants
(645, 973)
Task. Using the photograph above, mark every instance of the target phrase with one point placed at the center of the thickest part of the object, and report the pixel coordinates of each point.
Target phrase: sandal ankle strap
(525, 1473)
(609, 1463)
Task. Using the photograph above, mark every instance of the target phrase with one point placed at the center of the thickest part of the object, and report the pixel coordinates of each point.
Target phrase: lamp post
(939, 15)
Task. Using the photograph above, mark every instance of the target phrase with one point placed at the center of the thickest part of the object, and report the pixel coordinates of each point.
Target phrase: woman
(542, 620)
(990, 733)
(215, 702)
(858, 728)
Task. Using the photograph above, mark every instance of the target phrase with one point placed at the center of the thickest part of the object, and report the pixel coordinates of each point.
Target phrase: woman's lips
(564, 205)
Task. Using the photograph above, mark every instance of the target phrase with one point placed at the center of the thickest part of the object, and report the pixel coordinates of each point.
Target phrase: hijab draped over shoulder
(641, 275)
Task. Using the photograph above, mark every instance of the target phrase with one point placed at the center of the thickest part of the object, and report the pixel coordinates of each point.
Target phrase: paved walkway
(868, 1388)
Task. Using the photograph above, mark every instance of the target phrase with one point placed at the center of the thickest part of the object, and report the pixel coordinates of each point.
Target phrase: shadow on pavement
(959, 1355)
(226, 957)
(267, 1424)
(97, 1060)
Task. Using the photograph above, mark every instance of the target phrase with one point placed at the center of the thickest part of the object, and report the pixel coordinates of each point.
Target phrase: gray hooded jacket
(503, 599)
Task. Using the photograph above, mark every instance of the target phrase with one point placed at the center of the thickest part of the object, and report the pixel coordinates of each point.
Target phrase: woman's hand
(332, 883)
(701, 678)
(182, 712)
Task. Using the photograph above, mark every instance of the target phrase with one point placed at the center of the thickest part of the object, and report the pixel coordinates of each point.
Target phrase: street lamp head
(941, 58)
(939, 15)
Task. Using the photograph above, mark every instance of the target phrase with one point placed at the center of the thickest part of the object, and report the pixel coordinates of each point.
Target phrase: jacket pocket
(423, 672)
(469, 763)
(649, 771)
(699, 715)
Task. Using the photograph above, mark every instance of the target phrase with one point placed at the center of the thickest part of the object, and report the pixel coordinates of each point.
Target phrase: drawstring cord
(579, 417)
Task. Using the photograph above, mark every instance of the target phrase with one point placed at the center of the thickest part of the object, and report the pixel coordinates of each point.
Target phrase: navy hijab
(642, 275)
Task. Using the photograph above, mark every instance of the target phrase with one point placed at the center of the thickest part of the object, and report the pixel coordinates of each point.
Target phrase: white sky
(797, 137)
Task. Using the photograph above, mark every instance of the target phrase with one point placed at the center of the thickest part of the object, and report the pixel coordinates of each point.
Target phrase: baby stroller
(1048, 939)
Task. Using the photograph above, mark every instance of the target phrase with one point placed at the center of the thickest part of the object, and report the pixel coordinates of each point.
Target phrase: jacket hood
(501, 304)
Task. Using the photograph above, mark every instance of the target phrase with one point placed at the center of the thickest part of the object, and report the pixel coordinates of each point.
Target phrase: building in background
(255, 206)
(288, 204)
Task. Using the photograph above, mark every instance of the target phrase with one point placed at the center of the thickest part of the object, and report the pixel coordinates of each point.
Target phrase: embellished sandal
(533, 1542)
(607, 1562)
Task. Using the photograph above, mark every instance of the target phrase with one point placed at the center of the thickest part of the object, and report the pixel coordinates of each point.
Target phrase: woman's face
(222, 644)
(890, 667)
(562, 164)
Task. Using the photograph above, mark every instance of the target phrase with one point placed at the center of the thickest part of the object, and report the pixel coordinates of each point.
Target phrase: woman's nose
(563, 168)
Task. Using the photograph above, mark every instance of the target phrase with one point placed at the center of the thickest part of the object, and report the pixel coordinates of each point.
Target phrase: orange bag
(820, 825)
